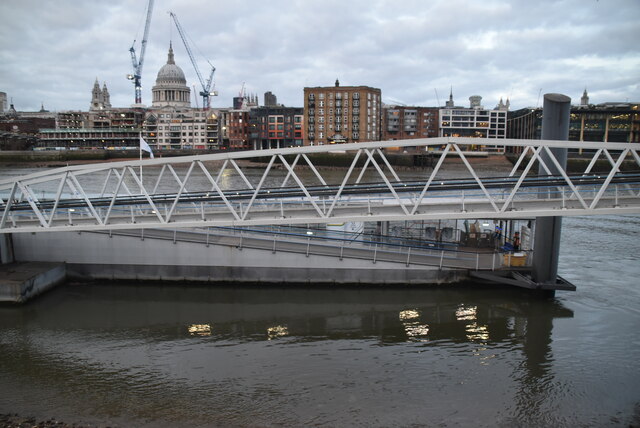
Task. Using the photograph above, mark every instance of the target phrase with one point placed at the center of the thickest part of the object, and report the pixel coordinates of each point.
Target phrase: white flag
(144, 146)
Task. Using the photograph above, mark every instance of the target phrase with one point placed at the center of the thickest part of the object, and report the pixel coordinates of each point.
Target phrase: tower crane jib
(136, 77)
(206, 91)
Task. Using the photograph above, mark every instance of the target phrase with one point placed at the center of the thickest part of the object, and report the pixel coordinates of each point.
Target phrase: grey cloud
(52, 52)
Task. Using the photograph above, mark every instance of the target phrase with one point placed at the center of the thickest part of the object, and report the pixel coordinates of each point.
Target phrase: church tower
(100, 98)
(450, 104)
(97, 101)
(106, 98)
(584, 101)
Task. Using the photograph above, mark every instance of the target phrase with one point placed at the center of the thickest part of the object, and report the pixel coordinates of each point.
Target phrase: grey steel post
(555, 126)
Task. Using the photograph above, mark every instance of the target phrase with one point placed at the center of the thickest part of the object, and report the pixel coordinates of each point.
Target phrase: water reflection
(218, 351)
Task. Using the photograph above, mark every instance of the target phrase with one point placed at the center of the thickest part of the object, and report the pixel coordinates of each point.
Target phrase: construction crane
(137, 65)
(206, 91)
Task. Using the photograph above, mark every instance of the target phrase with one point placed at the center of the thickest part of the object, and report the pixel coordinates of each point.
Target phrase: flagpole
(140, 149)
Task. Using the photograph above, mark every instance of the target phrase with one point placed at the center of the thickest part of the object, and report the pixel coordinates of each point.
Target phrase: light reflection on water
(263, 356)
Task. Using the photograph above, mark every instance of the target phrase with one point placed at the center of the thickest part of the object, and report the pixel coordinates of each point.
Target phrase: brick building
(402, 122)
(342, 114)
(276, 127)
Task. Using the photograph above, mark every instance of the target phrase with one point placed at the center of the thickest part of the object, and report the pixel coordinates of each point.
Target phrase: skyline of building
(330, 115)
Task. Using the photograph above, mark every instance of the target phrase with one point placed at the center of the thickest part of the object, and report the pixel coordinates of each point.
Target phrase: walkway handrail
(217, 189)
(441, 258)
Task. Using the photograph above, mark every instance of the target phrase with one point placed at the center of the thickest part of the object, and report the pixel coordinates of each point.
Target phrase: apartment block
(342, 114)
(402, 122)
(276, 127)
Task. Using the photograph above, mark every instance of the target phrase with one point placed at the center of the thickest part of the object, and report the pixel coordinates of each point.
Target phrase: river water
(131, 354)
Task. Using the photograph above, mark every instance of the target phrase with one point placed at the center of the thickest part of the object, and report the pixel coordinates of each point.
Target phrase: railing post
(463, 209)
(273, 250)
(308, 245)
(408, 256)
(142, 234)
(175, 233)
(375, 253)
(477, 260)
(441, 258)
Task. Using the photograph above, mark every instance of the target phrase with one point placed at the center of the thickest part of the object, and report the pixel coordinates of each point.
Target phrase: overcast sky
(51, 52)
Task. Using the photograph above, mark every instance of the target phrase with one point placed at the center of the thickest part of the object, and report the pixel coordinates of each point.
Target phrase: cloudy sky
(51, 52)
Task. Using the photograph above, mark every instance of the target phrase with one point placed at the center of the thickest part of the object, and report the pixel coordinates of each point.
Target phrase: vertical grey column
(555, 126)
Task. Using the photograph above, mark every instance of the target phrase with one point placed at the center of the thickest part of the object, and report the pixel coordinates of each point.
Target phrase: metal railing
(217, 190)
(339, 248)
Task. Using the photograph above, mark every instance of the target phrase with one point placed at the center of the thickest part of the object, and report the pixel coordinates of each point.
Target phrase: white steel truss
(284, 186)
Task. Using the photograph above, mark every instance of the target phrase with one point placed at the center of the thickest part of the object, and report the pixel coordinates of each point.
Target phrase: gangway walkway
(283, 186)
(340, 248)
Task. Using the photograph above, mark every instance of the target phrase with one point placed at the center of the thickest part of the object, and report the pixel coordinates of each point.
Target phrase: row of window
(338, 126)
(354, 111)
(338, 96)
(354, 135)
(180, 115)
